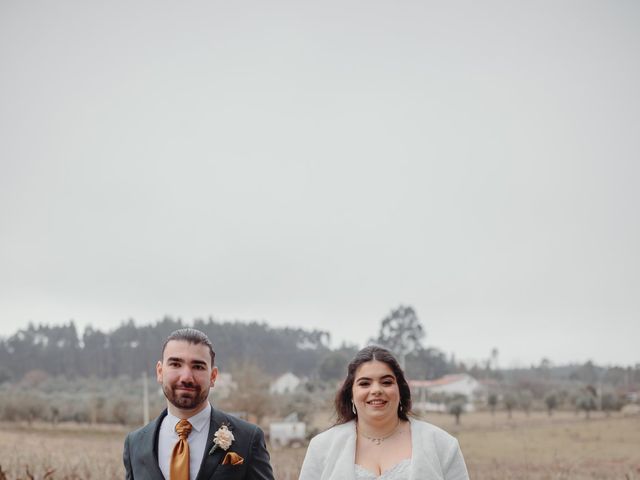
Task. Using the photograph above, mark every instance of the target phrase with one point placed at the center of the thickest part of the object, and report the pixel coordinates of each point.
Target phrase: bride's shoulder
(334, 433)
(426, 429)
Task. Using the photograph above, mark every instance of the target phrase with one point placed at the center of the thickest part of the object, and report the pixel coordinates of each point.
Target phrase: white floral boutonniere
(223, 438)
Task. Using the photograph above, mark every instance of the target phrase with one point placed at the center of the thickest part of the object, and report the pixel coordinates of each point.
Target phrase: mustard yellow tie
(179, 467)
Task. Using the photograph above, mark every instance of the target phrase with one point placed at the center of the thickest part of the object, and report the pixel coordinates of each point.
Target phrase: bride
(374, 437)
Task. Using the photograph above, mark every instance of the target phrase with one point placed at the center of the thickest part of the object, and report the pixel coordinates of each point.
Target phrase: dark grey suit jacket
(141, 452)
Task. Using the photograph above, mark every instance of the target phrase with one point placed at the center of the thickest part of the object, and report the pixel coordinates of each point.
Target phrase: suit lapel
(211, 462)
(149, 448)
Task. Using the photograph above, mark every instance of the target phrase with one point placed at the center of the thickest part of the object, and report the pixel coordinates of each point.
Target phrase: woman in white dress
(374, 437)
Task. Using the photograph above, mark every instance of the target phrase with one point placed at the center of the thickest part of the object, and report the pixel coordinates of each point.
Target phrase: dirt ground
(537, 447)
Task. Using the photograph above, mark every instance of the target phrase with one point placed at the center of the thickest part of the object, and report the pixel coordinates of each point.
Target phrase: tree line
(54, 373)
(132, 349)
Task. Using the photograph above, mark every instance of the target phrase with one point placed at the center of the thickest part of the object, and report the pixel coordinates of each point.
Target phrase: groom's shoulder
(237, 423)
(147, 429)
(141, 431)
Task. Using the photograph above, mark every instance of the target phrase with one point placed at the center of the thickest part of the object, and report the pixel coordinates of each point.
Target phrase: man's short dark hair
(193, 336)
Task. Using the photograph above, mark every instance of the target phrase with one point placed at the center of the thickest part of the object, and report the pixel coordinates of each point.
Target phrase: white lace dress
(400, 471)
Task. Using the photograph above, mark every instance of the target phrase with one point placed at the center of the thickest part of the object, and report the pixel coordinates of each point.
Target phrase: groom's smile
(186, 375)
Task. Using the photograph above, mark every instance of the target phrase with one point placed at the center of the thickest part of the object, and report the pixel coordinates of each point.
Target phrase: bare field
(72, 452)
(564, 446)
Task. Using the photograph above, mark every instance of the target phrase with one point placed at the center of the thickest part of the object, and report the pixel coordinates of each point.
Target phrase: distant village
(284, 379)
(453, 394)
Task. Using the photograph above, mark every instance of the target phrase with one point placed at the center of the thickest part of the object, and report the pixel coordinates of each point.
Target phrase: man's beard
(185, 400)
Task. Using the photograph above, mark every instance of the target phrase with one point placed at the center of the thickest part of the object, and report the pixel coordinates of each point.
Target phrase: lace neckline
(388, 471)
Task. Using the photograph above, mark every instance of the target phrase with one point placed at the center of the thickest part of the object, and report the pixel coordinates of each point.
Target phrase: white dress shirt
(167, 438)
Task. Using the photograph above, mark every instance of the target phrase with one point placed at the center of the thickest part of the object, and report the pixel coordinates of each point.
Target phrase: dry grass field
(564, 446)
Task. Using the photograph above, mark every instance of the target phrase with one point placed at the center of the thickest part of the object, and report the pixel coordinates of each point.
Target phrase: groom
(190, 440)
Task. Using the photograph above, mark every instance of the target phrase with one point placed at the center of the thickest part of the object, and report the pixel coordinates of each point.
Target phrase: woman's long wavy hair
(343, 401)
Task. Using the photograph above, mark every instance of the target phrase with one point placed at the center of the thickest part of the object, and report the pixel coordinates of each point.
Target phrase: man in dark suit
(190, 440)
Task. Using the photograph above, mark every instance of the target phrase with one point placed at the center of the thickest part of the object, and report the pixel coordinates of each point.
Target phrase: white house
(428, 394)
(224, 386)
(289, 432)
(285, 383)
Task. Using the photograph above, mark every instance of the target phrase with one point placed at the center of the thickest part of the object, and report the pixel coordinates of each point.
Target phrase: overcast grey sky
(315, 164)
